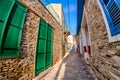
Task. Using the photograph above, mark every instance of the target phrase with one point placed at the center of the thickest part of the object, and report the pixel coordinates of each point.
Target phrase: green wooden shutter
(5, 10)
(49, 47)
(44, 47)
(41, 47)
(12, 37)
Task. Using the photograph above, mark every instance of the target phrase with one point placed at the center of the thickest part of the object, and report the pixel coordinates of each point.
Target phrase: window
(112, 12)
(44, 47)
(12, 16)
(106, 1)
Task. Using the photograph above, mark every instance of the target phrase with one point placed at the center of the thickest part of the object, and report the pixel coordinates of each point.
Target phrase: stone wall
(22, 67)
(105, 58)
(41, 11)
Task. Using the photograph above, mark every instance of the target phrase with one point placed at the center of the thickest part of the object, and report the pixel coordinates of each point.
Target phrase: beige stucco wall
(59, 10)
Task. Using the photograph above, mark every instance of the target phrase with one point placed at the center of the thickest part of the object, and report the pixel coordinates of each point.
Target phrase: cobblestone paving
(72, 67)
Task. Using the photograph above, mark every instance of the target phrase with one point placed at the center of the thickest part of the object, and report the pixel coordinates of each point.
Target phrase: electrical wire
(68, 13)
(50, 1)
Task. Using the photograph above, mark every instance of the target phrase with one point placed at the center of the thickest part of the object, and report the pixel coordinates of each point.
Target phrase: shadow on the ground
(75, 68)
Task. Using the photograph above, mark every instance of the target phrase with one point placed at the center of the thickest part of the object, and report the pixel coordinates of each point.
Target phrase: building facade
(30, 41)
(59, 11)
(98, 37)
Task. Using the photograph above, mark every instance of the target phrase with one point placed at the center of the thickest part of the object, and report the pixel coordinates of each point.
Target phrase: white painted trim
(87, 26)
(85, 19)
(83, 23)
(80, 45)
(118, 37)
(87, 57)
(84, 39)
(111, 38)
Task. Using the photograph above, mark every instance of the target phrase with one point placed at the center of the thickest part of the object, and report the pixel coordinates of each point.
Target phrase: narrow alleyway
(72, 67)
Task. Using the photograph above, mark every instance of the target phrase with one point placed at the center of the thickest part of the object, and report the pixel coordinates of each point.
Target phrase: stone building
(30, 41)
(99, 37)
(59, 11)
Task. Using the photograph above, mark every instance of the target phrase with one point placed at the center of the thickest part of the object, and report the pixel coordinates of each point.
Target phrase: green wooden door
(44, 47)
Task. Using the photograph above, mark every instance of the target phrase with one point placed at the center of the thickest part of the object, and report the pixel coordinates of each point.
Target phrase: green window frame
(44, 47)
(12, 17)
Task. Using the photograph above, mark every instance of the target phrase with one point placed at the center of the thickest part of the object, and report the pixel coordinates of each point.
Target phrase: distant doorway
(84, 39)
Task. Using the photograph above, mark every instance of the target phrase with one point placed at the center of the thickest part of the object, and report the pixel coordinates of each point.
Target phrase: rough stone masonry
(105, 58)
(22, 67)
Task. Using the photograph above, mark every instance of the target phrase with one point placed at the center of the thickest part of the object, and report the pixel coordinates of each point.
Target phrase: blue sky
(73, 11)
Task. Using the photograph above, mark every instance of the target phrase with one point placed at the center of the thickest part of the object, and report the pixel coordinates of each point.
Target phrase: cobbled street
(72, 67)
